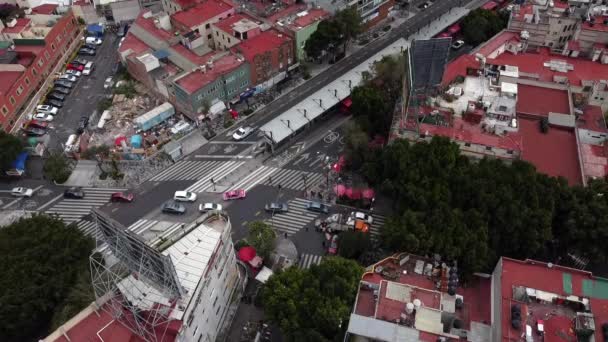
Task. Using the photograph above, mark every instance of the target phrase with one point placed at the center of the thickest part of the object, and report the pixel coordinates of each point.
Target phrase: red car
(122, 197)
(234, 194)
(37, 124)
(333, 245)
(76, 67)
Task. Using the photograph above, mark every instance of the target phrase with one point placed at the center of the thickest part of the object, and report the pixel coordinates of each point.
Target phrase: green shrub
(228, 123)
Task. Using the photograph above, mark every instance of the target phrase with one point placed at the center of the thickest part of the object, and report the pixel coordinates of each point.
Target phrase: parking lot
(86, 93)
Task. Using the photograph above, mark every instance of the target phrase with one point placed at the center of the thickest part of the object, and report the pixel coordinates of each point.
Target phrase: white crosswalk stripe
(187, 170)
(71, 210)
(377, 225)
(307, 260)
(223, 170)
(295, 219)
(141, 226)
(89, 228)
(287, 178)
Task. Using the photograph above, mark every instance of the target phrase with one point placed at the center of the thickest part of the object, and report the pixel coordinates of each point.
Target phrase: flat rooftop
(195, 80)
(539, 101)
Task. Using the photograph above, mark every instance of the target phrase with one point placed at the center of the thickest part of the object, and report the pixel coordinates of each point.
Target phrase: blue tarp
(95, 29)
(161, 54)
(136, 141)
(19, 163)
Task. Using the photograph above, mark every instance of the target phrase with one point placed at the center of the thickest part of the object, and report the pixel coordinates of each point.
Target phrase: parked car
(333, 245)
(74, 193)
(234, 194)
(242, 133)
(108, 83)
(56, 96)
(46, 109)
(44, 117)
(93, 40)
(65, 84)
(317, 207)
(22, 192)
(83, 123)
(77, 67)
(277, 208)
(122, 197)
(209, 206)
(87, 52)
(67, 78)
(34, 132)
(53, 103)
(458, 44)
(180, 127)
(88, 69)
(90, 46)
(184, 196)
(75, 73)
(357, 215)
(172, 207)
(37, 124)
(61, 90)
(80, 61)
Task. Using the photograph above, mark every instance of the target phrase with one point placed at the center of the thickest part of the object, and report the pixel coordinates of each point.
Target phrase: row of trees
(334, 33)
(45, 278)
(481, 25)
(475, 212)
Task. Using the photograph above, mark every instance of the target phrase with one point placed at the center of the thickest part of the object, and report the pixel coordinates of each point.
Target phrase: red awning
(340, 190)
(347, 102)
(353, 193)
(489, 5)
(246, 253)
(119, 140)
(443, 35)
(454, 29)
(368, 193)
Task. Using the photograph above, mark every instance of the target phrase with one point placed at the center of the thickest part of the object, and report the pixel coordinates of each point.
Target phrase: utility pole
(212, 182)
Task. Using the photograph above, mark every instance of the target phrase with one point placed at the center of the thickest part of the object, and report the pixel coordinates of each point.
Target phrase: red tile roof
(261, 43)
(598, 25)
(185, 3)
(312, 16)
(497, 41)
(45, 9)
(7, 79)
(197, 79)
(226, 24)
(201, 13)
(595, 163)
(553, 153)
(592, 119)
(539, 101)
(147, 24)
(133, 43)
(19, 27)
(458, 67)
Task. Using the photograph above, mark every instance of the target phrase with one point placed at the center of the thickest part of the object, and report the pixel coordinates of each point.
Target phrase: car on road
(37, 124)
(333, 245)
(56, 96)
(46, 109)
(67, 78)
(276, 208)
(53, 103)
(89, 46)
(34, 132)
(75, 73)
(122, 196)
(44, 117)
(22, 192)
(87, 52)
(83, 123)
(108, 83)
(234, 194)
(64, 84)
(242, 133)
(88, 69)
(180, 127)
(61, 90)
(74, 66)
(74, 193)
(172, 207)
(317, 207)
(93, 40)
(209, 206)
(357, 215)
(80, 61)
(184, 196)
(458, 44)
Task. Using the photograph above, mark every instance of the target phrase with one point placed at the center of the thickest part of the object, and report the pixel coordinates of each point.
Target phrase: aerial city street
(333, 170)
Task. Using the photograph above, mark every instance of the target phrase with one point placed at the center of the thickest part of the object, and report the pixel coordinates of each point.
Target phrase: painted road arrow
(302, 157)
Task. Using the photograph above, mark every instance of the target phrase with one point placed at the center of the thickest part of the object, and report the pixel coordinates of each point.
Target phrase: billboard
(428, 61)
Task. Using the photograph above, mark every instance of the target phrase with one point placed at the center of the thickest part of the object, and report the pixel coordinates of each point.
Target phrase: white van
(72, 144)
(88, 68)
(184, 196)
(93, 40)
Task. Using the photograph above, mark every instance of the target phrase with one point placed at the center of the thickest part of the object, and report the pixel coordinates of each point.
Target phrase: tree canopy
(475, 212)
(42, 260)
(481, 25)
(10, 147)
(261, 237)
(331, 33)
(313, 304)
(57, 168)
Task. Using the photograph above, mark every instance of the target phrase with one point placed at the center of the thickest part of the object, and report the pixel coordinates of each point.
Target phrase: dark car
(87, 52)
(34, 131)
(122, 197)
(80, 61)
(172, 207)
(56, 96)
(89, 46)
(64, 84)
(317, 207)
(277, 207)
(83, 124)
(74, 193)
(54, 103)
(61, 90)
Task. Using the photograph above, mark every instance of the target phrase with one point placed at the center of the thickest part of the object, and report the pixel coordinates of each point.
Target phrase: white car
(184, 196)
(73, 73)
(47, 109)
(93, 40)
(88, 68)
(362, 216)
(242, 133)
(42, 117)
(108, 83)
(69, 78)
(209, 207)
(457, 44)
(179, 127)
(22, 192)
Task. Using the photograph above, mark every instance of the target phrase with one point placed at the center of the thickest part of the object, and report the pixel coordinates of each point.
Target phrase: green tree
(10, 147)
(353, 244)
(371, 109)
(349, 23)
(262, 238)
(480, 25)
(57, 168)
(314, 304)
(42, 260)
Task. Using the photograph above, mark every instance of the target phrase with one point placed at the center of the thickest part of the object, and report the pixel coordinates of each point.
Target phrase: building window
(489, 148)
(12, 99)
(27, 80)
(4, 110)
(34, 72)
(228, 40)
(19, 90)
(40, 62)
(207, 25)
(209, 36)
(53, 46)
(217, 33)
